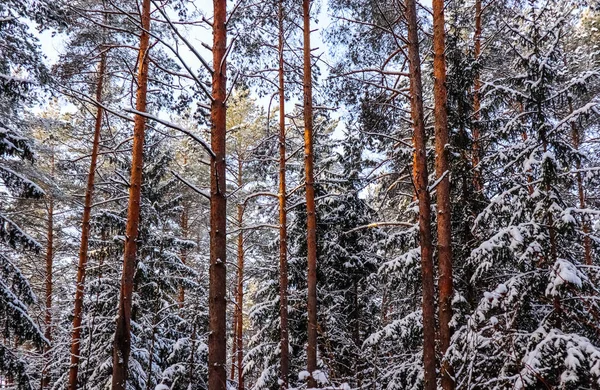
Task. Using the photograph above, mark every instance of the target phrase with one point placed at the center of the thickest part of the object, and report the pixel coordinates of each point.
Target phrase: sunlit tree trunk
(85, 231)
(311, 216)
(420, 178)
(122, 341)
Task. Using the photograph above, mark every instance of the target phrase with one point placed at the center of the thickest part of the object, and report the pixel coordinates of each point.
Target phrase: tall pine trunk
(217, 353)
(239, 341)
(283, 272)
(420, 178)
(85, 231)
(311, 216)
(444, 228)
(49, 284)
(122, 341)
(477, 179)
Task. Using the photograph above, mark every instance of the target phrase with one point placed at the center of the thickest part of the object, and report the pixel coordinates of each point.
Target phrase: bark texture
(311, 217)
(122, 342)
(49, 285)
(217, 353)
(420, 178)
(239, 323)
(283, 272)
(85, 232)
(444, 228)
(477, 180)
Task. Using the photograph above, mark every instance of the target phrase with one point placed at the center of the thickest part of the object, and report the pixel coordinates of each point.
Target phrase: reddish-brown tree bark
(477, 180)
(311, 216)
(122, 341)
(239, 341)
(49, 284)
(85, 231)
(217, 353)
(283, 272)
(444, 228)
(421, 188)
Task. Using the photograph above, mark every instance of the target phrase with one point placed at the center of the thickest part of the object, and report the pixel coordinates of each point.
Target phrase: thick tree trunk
(444, 228)
(217, 353)
(122, 341)
(85, 232)
(239, 341)
(283, 272)
(421, 187)
(49, 285)
(477, 180)
(311, 216)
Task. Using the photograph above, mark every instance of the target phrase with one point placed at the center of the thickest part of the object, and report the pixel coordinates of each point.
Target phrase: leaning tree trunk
(283, 272)
(122, 341)
(444, 228)
(421, 183)
(85, 232)
(311, 217)
(217, 353)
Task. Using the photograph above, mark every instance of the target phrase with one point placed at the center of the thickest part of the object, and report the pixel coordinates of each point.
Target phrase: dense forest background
(192, 196)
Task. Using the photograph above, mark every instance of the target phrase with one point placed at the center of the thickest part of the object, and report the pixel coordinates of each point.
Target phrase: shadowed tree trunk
(283, 272)
(420, 177)
(122, 341)
(444, 228)
(85, 232)
(587, 244)
(477, 180)
(239, 323)
(311, 217)
(217, 352)
(49, 283)
(184, 233)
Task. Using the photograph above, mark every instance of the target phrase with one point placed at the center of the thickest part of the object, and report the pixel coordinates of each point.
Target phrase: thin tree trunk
(192, 354)
(184, 233)
(283, 272)
(233, 338)
(444, 227)
(122, 341)
(85, 232)
(49, 285)
(151, 352)
(240, 286)
(217, 353)
(477, 180)
(587, 244)
(311, 217)
(421, 188)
